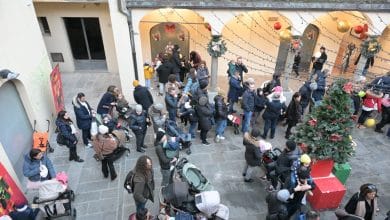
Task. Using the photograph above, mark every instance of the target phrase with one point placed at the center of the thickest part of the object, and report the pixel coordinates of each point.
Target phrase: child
(148, 73)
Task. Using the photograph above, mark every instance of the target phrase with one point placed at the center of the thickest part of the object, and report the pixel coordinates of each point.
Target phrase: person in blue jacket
(171, 103)
(108, 100)
(84, 114)
(37, 166)
(235, 90)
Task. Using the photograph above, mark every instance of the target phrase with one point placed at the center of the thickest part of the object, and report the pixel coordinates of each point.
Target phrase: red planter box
(321, 168)
(327, 194)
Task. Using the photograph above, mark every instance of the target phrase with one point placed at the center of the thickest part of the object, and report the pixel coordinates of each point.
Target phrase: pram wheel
(72, 195)
(74, 213)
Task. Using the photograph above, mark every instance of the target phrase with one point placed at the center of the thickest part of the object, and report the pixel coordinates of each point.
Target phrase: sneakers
(89, 145)
(217, 139)
(248, 180)
(205, 143)
(222, 137)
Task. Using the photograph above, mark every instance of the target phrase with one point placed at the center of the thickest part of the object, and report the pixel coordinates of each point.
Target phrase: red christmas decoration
(207, 26)
(329, 107)
(312, 122)
(277, 25)
(358, 29)
(170, 28)
(335, 137)
(348, 87)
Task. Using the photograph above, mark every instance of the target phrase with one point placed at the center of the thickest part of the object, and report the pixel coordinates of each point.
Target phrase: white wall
(23, 51)
(58, 40)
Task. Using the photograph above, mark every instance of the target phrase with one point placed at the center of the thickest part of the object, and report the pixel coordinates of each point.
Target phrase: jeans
(161, 87)
(140, 205)
(147, 83)
(172, 115)
(220, 128)
(192, 129)
(139, 139)
(86, 134)
(247, 121)
(108, 164)
(166, 174)
(270, 123)
(203, 135)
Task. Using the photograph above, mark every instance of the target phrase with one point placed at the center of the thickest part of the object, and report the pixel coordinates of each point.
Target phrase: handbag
(61, 140)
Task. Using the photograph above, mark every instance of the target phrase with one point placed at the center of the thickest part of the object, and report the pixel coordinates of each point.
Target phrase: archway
(169, 33)
(309, 41)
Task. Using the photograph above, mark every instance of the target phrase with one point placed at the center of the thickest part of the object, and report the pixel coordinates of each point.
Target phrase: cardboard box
(342, 171)
(327, 194)
(321, 168)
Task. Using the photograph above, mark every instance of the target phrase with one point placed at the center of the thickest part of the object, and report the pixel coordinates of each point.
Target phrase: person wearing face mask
(138, 125)
(84, 114)
(67, 129)
(165, 155)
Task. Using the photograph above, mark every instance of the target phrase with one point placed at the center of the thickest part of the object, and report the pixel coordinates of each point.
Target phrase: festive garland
(216, 47)
(371, 47)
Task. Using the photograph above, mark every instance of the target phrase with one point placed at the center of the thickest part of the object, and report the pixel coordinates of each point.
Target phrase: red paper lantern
(277, 25)
(358, 29)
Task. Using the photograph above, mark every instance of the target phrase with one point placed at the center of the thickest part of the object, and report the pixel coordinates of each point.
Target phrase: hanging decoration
(296, 44)
(181, 36)
(310, 35)
(277, 25)
(156, 36)
(216, 47)
(170, 28)
(285, 34)
(207, 26)
(358, 29)
(343, 26)
(371, 47)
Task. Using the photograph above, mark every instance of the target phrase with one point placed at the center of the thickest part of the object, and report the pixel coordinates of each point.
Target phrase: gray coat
(143, 188)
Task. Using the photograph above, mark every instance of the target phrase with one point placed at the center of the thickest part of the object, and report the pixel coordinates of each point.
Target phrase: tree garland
(370, 47)
(216, 47)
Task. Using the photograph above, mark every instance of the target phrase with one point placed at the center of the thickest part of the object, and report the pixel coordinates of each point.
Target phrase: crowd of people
(184, 85)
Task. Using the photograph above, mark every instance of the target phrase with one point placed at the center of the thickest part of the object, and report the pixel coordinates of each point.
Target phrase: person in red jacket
(371, 102)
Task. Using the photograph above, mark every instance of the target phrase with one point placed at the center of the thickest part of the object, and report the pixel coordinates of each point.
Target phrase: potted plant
(326, 131)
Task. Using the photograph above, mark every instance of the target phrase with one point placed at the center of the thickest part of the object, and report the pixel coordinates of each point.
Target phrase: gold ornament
(285, 34)
(343, 26)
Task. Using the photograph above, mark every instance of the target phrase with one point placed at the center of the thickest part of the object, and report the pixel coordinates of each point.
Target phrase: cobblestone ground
(222, 163)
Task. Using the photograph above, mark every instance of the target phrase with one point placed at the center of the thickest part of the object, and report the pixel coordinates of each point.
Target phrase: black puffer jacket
(277, 210)
(221, 109)
(143, 97)
(205, 113)
(138, 122)
(164, 70)
(252, 151)
(285, 160)
(305, 93)
(294, 111)
(273, 109)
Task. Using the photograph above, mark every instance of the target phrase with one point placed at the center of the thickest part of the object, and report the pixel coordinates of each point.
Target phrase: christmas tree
(326, 131)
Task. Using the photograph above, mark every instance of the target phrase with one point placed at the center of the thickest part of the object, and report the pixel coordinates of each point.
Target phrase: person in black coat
(142, 95)
(252, 153)
(176, 60)
(163, 71)
(305, 93)
(294, 113)
(221, 112)
(107, 101)
(241, 68)
(260, 101)
(84, 114)
(318, 63)
(277, 205)
(248, 105)
(297, 61)
(205, 114)
(271, 114)
(171, 104)
(68, 131)
(235, 90)
(138, 124)
(319, 91)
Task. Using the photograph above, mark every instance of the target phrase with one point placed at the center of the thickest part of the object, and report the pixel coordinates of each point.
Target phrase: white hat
(208, 202)
(317, 54)
(103, 129)
(187, 105)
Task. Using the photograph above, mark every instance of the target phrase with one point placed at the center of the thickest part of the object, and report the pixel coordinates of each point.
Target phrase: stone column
(290, 61)
(360, 67)
(214, 74)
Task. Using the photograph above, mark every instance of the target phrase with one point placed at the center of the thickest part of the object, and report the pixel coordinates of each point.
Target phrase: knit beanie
(135, 83)
(103, 129)
(138, 108)
(283, 195)
(291, 145)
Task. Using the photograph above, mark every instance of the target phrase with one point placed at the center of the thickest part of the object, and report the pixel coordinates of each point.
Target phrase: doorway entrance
(86, 43)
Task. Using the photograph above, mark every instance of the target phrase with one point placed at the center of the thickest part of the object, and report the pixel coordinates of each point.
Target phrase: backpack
(351, 205)
(129, 182)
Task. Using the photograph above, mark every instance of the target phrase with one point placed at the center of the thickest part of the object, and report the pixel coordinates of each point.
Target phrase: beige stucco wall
(23, 51)
(58, 40)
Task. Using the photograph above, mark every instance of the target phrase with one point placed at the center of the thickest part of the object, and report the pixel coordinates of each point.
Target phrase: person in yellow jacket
(148, 73)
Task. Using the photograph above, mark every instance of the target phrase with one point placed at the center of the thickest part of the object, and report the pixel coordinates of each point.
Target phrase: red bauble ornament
(348, 87)
(329, 107)
(335, 137)
(312, 122)
(277, 25)
(358, 29)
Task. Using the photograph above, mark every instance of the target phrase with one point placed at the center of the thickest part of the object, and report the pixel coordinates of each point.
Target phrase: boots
(73, 155)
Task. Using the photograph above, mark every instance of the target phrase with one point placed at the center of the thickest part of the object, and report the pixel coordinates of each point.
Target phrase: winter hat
(305, 159)
(158, 106)
(276, 95)
(278, 89)
(160, 134)
(203, 100)
(135, 83)
(203, 83)
(187, 105)
(291, 145)
(283, 195)
(250, 81)
(138, 108)
(255, 132)
(103, 129)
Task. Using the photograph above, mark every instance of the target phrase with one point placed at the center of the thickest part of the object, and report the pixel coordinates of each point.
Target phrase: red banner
(56, 88)
(10, 193)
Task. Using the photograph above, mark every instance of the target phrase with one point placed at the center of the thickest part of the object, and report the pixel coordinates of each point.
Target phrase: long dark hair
(141, 165)
(61, 115)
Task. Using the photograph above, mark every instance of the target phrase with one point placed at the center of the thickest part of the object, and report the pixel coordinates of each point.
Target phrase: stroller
(55, 200)
(41, 139)
(188, 172)
(235, 121)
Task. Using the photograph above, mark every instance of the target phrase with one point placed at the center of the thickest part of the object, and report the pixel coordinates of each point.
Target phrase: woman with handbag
(104, 145)
(67, 131)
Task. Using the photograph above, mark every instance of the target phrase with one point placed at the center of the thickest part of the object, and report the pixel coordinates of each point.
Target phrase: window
(44, 25)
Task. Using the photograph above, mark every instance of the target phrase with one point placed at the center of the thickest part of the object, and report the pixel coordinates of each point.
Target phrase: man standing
(171, 104)
(240, 67)
(139, 125)
(318, 62)
(248, 104)
(84, 114)
(142, 95)
(235, 90)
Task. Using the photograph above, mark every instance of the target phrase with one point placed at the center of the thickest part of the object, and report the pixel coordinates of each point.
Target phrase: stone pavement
(222, 163)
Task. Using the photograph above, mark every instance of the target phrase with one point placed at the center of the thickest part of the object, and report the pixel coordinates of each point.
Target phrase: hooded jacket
(83, 115)
(221, 109)
(31, 168)
(204, 112)
(252, 150)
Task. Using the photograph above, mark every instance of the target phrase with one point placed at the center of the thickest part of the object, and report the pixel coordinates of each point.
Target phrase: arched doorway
(347, 54)
(309, 40)
(15, 128)
(169, 33)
